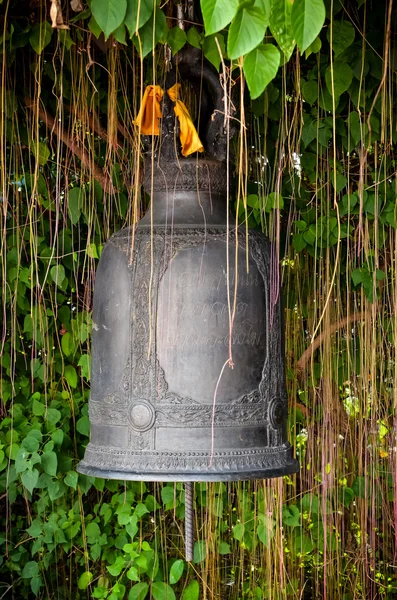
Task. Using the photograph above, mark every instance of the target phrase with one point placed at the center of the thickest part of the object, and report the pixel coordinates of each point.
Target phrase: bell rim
(289, 468)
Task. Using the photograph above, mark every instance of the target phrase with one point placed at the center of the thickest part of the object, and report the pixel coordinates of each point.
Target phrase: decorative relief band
(186, 175)
(155, 462)
(141, 415)
(172, 415)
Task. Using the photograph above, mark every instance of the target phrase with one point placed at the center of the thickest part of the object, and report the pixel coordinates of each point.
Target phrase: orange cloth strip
(150, 113)
(188, 134)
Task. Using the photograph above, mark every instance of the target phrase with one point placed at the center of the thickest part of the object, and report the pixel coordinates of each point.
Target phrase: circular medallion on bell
(277, 413)
(141, 415)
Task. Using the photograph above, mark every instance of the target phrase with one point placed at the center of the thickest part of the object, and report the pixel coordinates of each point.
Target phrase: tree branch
(303, 363)
(81, 153)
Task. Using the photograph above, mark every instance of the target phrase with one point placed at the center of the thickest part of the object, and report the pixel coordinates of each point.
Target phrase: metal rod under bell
(189, 527)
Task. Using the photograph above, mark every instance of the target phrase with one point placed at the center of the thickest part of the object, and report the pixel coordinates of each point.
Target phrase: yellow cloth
(150, 113)
(188, 134)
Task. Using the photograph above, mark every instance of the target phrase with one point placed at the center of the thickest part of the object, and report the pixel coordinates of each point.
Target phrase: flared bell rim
(266, 463)
(270, 473)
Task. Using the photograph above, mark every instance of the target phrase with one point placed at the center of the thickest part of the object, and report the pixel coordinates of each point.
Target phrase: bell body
(187, 353)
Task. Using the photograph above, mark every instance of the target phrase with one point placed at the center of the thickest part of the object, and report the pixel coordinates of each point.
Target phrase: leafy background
(314, 167)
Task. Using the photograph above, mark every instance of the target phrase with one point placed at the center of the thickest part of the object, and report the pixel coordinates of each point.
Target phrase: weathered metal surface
(165, 405)
(187, 362)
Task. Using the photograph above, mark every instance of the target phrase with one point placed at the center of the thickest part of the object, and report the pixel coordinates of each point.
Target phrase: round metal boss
(141, 415)
(277, 413)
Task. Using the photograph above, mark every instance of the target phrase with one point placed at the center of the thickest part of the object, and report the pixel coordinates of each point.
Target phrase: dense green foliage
(315, 168)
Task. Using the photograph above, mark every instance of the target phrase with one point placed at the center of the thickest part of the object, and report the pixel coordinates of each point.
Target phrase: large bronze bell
(187, 351)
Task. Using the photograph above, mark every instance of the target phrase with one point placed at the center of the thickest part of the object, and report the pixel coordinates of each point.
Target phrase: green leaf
(94, 27)
(120, 33)
(29, 479)
(53, 415)
(309, 132)
(347, 204)
(310, 504)
(238, 531)
(252, 202)
(299, 242)
(176, 39)
(200, 551)
(260, 67)
(91, 250)
(85, 364)
(75, 204)
(35, 584)
(31, 569)
(57, 437)
(132, 527)
(151, 503)
(109, 14)
(217, 14)
(41, 152)
(192, 591)
(224, 548)
(135, 21)
(143, 42)
(266, 529)
(66, 343)
(280, 26)
(35, 433)
(36, 528)
(116, 568)
(140, 510)
(92, 532)
(343, 34)
(310, 91)
(38, 408)
(357, 129)
(80, 16)
(194, 37)
(342, 76)
(291, 516)
(176, 571)
(40, 36)
(65, 39)
(132, 574)
(49, 462)
(274, 201)
(307, 19)
(56, 489)
(211, 50)
(71, 479)
(314, 47)
(246, 30)
(360, 487)
(303, 544)
(338, 181)
(58, 274)
(380, 275)
(84, 580)
(347, 496)
(83, 426)
(167, 494)
(71, 376)
(162, 591)
(138, 591)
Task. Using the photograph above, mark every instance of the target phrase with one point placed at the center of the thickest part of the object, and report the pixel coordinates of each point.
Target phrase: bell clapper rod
(189, 527)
